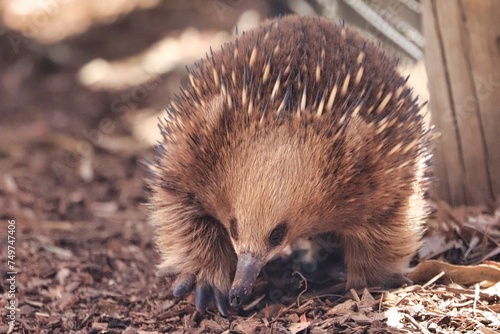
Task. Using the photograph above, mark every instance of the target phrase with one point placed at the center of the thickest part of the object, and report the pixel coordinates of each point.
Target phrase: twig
(301, 308)
(253, 303)
(355, 296)
(401, 300)
(338, 296)
(416, 324)
(280, 313)
(434, 279)
(92, 312)
(486, 307)
(476, 297)
(305, 288)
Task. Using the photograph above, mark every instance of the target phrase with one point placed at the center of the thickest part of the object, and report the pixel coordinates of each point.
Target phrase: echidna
(295, 128)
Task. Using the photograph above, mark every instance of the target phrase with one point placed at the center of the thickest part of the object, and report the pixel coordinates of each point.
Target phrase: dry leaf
(393, 317)
(367, 299)
(438, 243)
(298, 326)
(458, 274)
(493, 290)
(344, 308)
(361, 319)
(485, 330)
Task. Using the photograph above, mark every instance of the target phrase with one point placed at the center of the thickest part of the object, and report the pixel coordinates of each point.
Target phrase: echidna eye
(233, 228)
(277, 234)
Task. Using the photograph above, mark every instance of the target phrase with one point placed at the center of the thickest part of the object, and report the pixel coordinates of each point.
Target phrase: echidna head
(251, 262)
(274, 196)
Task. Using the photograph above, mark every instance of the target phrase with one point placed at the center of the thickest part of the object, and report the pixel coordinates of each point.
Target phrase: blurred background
(83, 82)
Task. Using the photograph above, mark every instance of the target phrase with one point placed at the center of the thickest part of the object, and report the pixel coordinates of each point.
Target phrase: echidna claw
(221, 301)
(204, 293)
(202, 297)
(183, 285)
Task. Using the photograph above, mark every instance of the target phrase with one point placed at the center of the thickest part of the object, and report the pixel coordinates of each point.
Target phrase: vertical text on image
(11, 272)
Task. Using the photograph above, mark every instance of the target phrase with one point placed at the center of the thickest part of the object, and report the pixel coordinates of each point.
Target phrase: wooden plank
(482, 19)
(446, 151)
(463, 46)
(465, 117)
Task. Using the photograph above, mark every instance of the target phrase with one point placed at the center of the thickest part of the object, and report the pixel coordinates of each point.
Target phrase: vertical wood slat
(461, 51)
(484, 51)
(447, 160)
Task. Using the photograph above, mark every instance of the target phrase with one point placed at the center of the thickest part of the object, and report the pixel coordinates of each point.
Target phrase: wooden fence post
(462, 55)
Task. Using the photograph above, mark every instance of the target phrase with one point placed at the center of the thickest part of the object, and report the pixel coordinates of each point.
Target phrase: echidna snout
(247, 270)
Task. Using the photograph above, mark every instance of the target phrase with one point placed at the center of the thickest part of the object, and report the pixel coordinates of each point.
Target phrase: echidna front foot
(205, 293)
(199, 267)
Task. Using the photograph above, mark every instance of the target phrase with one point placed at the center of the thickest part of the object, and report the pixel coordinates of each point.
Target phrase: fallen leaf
(438, 243)
(393, 318)
(455, 273)
(298, 326)
(493, 290)
(344, 308)
(361, 319)
(367, 298)
(485, 330)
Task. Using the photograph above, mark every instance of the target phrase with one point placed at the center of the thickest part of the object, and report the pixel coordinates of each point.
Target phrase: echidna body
(295, 128)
